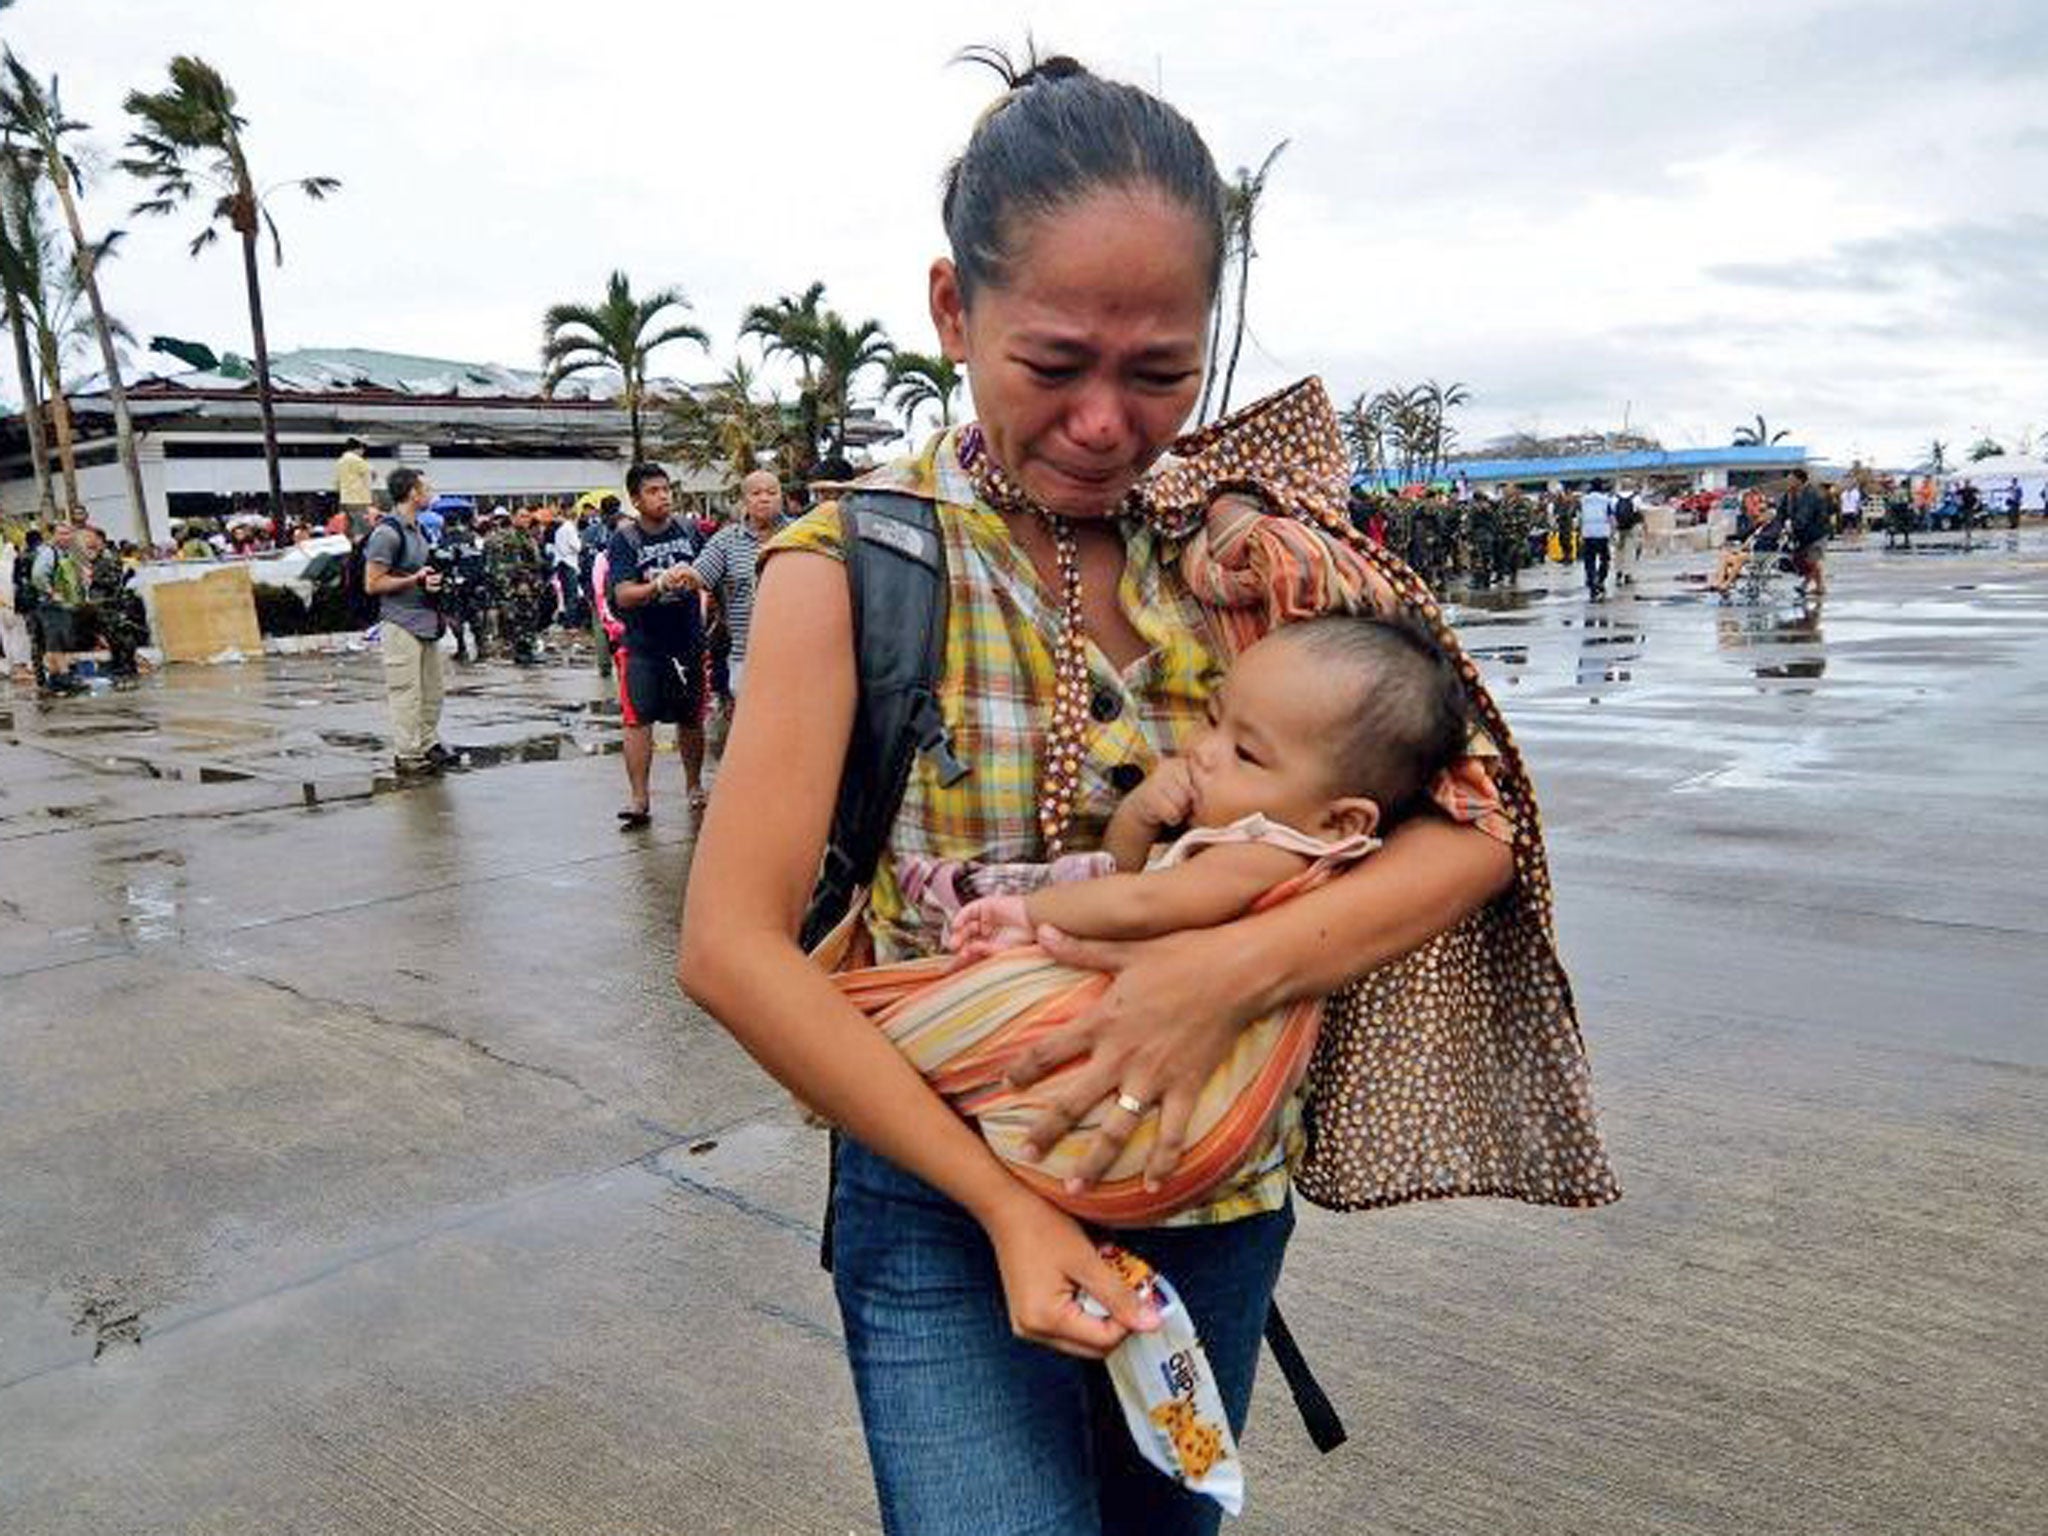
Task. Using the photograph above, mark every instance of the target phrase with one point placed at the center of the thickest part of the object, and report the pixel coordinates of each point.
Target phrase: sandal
(699, 798)
(631, 820)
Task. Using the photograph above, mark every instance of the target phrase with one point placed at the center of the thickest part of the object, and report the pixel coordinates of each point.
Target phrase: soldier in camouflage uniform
(111, 609)
(1482, 542)
(465, 597)
(513, 563)
(1514, 536)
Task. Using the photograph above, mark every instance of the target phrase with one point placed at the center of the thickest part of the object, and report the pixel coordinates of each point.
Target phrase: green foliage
(620, 332)
(191, 134)
(1404, 430)
(830, 355)
(727, 426)
(1986, 448)
(1758, 436)
(845, 352)
(918, 379)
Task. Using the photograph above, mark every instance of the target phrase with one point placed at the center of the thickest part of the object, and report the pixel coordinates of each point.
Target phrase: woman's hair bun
(1057, 133)
(1034, 70)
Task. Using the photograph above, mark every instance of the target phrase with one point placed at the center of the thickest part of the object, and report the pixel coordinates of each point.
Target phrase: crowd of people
(63, 599)
(667, 598)
(1483, 539)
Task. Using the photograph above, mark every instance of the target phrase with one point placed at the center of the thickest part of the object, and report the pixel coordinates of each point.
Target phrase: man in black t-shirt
(1805, 510)
(661, 661)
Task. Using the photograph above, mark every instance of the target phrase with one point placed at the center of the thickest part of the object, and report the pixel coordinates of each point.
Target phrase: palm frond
(680, 332)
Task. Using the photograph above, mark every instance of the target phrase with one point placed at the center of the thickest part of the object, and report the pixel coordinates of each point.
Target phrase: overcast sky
(1675, 215)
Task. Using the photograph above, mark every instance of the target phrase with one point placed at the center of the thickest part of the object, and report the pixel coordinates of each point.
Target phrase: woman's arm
(1177, 1003)
(739, 958)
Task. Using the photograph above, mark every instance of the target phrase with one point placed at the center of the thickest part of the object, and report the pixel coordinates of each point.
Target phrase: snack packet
(1169, 1398)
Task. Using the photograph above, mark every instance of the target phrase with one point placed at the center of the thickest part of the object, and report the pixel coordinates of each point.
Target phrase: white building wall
(103, 488)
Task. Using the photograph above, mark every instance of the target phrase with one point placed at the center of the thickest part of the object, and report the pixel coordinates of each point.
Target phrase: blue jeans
(972, 1430)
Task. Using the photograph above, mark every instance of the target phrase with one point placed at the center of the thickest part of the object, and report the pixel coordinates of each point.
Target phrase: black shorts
(64, 628)
(655, 687)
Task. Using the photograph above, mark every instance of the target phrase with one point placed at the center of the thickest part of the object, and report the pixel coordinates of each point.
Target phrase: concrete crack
(425, 1027)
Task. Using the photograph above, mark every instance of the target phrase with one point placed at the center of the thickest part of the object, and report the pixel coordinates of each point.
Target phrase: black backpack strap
(1325, 1429)
(896, 581)
(895, 560)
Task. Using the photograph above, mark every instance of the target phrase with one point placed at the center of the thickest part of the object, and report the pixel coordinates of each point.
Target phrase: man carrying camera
(396, 572)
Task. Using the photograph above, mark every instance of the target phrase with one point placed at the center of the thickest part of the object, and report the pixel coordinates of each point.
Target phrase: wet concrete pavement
(361, 1171)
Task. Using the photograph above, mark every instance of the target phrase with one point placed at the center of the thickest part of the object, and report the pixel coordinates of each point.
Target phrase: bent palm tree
(193, 126)
(1758, 436)
(1241, 202)
(918, 379)
(21, 279)
(621, 332)
(32, 116)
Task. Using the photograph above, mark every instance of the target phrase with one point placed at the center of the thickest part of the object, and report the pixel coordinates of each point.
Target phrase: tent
(1991, 477)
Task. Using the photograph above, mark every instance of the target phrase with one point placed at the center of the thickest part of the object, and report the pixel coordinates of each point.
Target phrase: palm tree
(193, 127)
(1758, 436)
(791, 327)
(32, 116)
(1442, 399)
(44, 287)
(1241, 205)
(727, 426)
(918, 379)
(844, 353)
(1937, 457)
(1412, 426)
(622, 333)
(22, 284)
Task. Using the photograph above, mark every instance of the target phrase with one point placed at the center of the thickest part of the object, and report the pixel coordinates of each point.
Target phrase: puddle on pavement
(99, 725)
(150, 900)
(1608, 651)
(1745, 630)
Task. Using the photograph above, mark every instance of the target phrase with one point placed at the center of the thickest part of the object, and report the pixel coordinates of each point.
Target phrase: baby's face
(1268, 742)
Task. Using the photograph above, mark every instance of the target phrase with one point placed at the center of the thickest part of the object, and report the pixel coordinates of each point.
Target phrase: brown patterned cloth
(1458, 1069)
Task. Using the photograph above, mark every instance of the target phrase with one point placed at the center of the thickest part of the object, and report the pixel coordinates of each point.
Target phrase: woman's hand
(1166, 1023)
(1046, 1259)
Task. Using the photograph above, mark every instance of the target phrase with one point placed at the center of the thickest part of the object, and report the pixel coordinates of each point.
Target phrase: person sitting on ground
(1322, 738)
(112, 614)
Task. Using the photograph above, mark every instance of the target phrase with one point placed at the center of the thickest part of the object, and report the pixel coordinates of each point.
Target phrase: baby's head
(1334, 725)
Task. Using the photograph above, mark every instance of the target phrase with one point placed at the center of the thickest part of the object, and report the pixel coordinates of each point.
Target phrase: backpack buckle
(935, 743)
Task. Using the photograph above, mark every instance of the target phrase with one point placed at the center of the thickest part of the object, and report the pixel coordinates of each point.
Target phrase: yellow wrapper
(1168, 1394)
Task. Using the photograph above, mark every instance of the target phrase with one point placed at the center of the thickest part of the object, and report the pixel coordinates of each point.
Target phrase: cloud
(1689, 213)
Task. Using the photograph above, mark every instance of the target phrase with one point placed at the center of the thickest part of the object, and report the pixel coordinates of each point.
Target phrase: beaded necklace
(1065, 745)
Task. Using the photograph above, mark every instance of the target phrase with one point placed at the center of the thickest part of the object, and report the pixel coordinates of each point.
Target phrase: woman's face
(1087, 361)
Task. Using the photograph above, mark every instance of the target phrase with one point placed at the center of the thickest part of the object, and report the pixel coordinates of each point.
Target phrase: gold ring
(1128, 1104)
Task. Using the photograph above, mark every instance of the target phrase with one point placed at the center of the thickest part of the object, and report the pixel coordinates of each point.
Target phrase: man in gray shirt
(396, 573)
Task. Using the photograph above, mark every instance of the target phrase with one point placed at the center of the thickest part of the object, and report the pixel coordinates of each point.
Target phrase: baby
(1324, 735)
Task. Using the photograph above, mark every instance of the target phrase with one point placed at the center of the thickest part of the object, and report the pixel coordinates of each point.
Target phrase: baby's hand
(1167, 797)
(988, 924)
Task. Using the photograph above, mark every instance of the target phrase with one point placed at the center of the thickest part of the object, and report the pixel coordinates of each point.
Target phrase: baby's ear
(1352, 816)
